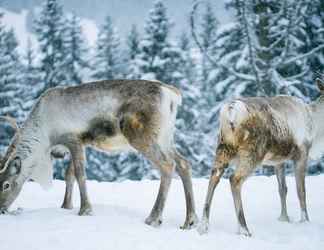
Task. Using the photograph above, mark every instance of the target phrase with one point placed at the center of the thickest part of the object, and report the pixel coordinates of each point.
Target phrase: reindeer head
(10, 166)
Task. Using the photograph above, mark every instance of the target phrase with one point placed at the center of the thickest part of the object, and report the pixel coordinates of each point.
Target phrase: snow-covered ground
(120, 209)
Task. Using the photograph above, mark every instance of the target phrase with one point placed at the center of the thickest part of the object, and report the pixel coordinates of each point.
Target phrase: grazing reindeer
(109, 115)
(255, 131)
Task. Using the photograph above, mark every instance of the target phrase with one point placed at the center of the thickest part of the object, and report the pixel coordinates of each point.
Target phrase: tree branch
(302, 56)
(204, 52)
(249, 43)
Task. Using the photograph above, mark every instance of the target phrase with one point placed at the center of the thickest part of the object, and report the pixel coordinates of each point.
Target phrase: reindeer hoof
(67, 206)
(190, 223)
(5, 211)
(203, 227)
(304, 217)
(85, 210)
(284, 218)
(153, 222)
(244, 231)
(303, 220)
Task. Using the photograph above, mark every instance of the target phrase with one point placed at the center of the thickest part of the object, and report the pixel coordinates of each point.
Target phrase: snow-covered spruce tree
(159, 59)
(132, 54)
(259, 52)
(49, 27)
(190, 137)
(188, 65)
(32, 79)
(76, 51)
(207, 34)
(229, 51)
(10, 74)
(11, 88)
(314, 21)
(107, 60)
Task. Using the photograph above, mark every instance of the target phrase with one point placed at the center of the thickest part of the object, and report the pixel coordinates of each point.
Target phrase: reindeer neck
(317, 108)
(31, 146)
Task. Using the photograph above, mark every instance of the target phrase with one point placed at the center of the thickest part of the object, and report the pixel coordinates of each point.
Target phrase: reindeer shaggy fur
(256, 131)
(109, 115)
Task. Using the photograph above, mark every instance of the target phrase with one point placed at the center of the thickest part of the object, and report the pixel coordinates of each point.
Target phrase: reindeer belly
(114, 143)
(279, 151)
(273, 160)
(105, 134)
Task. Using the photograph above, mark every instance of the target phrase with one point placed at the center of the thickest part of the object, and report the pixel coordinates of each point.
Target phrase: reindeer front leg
(78, 159)
(69, 183)
(166, 167)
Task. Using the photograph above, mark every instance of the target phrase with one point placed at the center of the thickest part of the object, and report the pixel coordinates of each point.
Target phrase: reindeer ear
(15, 166)
(320, 85)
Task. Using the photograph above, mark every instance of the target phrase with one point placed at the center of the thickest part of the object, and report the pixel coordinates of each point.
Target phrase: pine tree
(157, 54)
(173, 57)
(133, 51)
(279, 64)
(32, 78)
(11, 88)
(188, 66)
(10, 76)
(107, 60)
(259, 52)
(230, 51)
(50, 28)
(133, 41)
(76, 51)
(208, 28)
(314, 21)
(190, 136)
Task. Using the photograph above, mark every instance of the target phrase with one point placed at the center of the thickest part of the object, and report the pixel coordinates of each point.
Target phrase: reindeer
(109, 115)
(263, 130)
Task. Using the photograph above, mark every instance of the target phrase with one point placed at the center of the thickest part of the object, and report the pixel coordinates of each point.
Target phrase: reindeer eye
(6, 186)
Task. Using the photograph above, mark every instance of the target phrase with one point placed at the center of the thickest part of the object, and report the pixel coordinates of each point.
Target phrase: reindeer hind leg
(282, 187)
(236, 180)
(184, 171)
(166, 165)
(222, 159)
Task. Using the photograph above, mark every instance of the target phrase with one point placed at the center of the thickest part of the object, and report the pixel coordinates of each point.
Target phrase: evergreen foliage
(49, 29)
(107, 61)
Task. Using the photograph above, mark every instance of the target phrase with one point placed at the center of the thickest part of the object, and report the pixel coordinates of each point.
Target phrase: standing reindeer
(255, 131)
(109, 115)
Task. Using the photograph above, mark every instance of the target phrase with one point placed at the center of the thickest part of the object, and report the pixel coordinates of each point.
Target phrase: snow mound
(120, 209)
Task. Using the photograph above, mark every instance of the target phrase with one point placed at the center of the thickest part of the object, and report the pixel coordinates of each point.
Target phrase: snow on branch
(204, 52)
(302, 56)
(251, 55)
